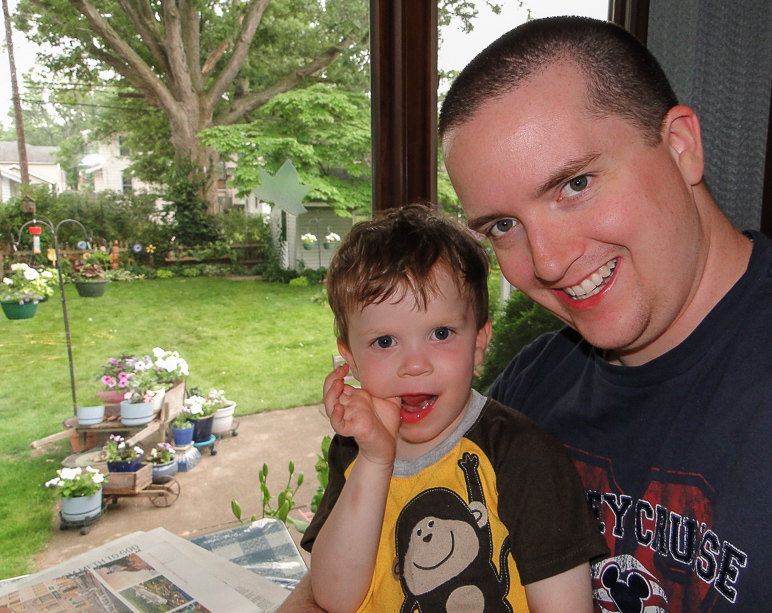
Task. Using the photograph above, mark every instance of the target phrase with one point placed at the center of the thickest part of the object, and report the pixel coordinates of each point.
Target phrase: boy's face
(426, 358)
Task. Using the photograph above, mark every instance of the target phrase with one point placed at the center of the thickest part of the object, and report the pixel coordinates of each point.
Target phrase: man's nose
(554, 247)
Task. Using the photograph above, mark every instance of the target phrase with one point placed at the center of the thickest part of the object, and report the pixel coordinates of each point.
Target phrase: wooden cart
(140, 483)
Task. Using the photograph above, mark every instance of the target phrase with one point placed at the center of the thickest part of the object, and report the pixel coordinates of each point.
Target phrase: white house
(108, 167)
(43, 169)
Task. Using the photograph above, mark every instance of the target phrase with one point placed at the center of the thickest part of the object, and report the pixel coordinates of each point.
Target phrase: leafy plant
(164, 274)
(75, 483)
(322, 473)
(284, 500)
(299, 282)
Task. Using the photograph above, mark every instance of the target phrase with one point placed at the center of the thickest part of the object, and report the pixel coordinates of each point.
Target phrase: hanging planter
(91, 289)
(329, 246)
(14, 310)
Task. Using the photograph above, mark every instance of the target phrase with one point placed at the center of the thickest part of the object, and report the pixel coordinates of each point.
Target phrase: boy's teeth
(592, 284)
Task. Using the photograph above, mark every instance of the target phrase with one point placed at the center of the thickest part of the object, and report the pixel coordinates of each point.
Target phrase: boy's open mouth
(416, 406)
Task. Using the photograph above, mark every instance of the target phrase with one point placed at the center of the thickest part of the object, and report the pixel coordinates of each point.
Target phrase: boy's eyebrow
(562, 174)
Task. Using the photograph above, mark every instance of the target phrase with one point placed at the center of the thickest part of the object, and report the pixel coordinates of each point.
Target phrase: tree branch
(250, 102)
(145, 24)
(225, 78)
(181, 84)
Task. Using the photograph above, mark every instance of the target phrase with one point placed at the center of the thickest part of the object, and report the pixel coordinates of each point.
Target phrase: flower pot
(330, 245)
(90, 416)
(14, 310)
(128, 466)
(136, 414)
(202, 429)
(112, 396)
(82, 508)
(158, 399)
(308, 246)
(223, 418)
(91, 289)
(182, 436)
(164, 472)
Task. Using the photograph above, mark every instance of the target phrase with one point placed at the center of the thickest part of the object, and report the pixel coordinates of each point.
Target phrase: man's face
(585, 218)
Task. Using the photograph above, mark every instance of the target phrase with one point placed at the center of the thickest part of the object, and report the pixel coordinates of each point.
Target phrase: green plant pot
(308, 246)
(91, 289)
(14, 310)
(330, 245)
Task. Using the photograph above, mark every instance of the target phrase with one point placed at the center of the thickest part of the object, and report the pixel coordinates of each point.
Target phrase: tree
(323, 129)
(202, 64)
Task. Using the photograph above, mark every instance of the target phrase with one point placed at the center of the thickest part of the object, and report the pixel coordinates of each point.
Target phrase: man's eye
(442, 334)
(575, 185)
(384, 342)
(501, 227)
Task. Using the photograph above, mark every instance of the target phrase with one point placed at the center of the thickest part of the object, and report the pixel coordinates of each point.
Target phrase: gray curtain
(718, 56)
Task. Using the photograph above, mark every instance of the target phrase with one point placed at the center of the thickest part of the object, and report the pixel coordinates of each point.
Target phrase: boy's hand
(373, 422)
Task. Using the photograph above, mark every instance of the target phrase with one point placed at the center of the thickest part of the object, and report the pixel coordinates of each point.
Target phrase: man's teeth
(592, 284)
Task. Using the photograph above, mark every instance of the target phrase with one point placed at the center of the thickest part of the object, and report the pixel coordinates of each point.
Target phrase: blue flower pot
(182, 436)
(164, 472)
(202, 429)
(131, 466)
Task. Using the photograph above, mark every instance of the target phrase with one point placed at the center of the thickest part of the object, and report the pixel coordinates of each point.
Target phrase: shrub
(521, 322)
(299, 282)
(191, 271)
(164, 273)
(214, 270)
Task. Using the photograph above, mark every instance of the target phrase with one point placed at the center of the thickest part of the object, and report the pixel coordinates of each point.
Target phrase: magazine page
(133, 575)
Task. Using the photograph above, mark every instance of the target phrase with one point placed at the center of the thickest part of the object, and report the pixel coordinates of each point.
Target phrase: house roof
(13, 174)
(36, 154)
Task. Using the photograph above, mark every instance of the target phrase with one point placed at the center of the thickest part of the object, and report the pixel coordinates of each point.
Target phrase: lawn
(267, 345)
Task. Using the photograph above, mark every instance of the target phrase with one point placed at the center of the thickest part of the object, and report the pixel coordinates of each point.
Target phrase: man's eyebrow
(566, 172)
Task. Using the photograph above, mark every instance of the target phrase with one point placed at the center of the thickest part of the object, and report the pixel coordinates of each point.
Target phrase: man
(568, 149)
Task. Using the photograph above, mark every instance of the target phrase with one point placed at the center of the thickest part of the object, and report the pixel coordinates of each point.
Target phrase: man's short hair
(397, 254)
(623, 78)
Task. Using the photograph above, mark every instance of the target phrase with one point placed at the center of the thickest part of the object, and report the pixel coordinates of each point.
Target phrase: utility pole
(28, 204)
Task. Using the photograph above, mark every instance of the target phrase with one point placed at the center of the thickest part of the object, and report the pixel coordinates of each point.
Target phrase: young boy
(438, 499)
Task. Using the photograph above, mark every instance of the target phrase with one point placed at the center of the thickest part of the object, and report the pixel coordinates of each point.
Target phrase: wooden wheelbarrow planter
(140, 483)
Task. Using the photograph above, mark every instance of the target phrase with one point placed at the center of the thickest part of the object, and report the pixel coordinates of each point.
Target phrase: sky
(456, 51)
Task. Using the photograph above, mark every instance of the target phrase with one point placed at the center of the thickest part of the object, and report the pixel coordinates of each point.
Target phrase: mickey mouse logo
(627, 587)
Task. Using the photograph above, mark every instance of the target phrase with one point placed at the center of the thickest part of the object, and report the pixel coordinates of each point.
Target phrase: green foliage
(521, 322)
(284, 500)
(164, 273)
(191, 271)
(322, 474)
(187, 209)
(299, 282)
(323, 129)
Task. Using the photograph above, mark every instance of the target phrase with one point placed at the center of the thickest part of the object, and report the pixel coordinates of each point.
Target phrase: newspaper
(144, 572)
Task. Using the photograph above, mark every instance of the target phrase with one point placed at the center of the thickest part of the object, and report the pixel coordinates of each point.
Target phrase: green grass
(267, 345)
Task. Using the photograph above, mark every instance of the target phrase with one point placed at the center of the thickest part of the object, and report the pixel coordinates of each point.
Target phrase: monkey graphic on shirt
(445, 551)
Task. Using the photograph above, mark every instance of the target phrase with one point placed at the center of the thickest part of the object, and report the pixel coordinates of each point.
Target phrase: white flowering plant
(204, 406)
(117, 450)
(76, 482)
(141, 380)
(161, 454)
(169, 366)
(332, 238)
(28, 284)
(308, 239)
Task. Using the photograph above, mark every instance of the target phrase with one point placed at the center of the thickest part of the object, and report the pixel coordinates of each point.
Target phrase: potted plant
(308, 241)
(139, 405)
(170, 367)
(80, 491)
(223, 411)
(201, 414)
(182, 428)
(24, 289)
(164, 463)
(115, 377)
(90, 416)
(121, 458)
(89, 278)
(331, 240)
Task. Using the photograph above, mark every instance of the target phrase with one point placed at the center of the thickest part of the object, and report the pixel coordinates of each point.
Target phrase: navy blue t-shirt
(674, 454)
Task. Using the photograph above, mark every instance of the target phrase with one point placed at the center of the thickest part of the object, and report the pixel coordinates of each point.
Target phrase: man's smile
(592, 284)
(416, 406)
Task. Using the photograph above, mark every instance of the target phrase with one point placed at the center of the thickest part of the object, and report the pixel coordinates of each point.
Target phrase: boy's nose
(414, 363)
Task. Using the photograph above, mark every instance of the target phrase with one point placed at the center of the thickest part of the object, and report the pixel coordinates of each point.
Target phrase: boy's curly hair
(396, 254)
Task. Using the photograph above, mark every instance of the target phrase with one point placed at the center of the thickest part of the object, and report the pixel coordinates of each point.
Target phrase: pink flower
(108, 381)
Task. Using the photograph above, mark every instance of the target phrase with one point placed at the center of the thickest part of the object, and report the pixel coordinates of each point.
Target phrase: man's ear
(349, 357)
(481, 344)
(681, 133)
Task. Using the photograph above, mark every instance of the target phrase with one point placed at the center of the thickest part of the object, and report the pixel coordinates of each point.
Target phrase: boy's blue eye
(384, 342)
(442, 334)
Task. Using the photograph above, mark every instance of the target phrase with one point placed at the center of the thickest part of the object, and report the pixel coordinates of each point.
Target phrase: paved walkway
(204, 504)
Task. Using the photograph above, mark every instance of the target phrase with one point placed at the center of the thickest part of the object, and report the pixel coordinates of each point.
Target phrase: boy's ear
(349, 357)
(481, 344)
(681, 132)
